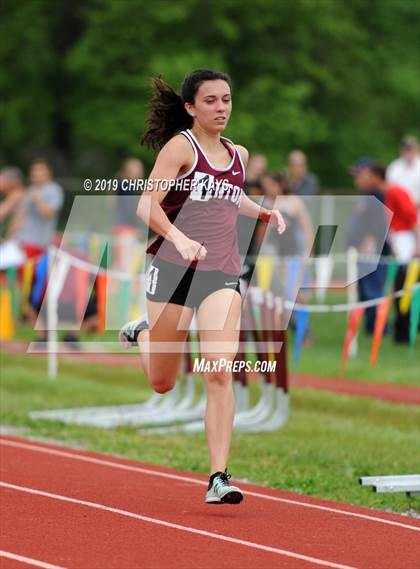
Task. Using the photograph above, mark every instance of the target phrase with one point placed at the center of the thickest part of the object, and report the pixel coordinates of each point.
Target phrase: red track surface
(83, 510)
(388, 392)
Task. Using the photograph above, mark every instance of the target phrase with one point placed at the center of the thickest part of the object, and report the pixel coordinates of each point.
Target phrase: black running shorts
(168, 282)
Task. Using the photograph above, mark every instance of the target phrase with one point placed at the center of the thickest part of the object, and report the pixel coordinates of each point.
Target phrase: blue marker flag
(40, 280)
(301, 323)
(293, 268)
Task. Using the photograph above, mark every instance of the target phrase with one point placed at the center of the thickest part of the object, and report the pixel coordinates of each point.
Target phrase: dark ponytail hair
(167, 115)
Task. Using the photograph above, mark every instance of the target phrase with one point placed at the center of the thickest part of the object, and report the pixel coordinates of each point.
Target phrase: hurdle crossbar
(409, 483)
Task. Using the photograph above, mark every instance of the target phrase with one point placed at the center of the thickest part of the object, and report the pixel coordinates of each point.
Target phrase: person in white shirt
(405, 171)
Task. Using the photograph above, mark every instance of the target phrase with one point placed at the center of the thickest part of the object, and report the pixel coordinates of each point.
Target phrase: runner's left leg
(162, 345)
(218, 319)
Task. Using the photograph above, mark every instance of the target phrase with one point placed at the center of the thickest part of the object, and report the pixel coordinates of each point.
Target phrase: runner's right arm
(175, 157)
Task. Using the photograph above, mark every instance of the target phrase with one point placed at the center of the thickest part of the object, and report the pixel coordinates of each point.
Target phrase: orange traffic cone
(7, 327)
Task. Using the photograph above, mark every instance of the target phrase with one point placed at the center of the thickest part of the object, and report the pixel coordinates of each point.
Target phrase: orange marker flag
(82, 284)
(7, 326)
(354, 320)
(101, 300)
(382, 311)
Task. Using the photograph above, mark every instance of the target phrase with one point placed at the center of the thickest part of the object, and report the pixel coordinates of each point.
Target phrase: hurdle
(177, 401)
(107, 417)
(183, 408)
(408, 483)
(271, 411)
(177, 405)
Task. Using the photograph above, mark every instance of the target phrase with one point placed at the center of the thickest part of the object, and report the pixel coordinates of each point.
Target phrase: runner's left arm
(252, 209)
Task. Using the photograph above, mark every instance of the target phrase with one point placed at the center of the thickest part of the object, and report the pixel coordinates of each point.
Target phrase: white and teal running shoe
(130, 331)
(220, 490)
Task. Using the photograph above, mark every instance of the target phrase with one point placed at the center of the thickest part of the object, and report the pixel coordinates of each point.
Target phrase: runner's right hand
(188, 249)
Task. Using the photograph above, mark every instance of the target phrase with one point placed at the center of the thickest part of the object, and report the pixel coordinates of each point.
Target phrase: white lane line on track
(90, 459)
(171, 525)
(29, 560)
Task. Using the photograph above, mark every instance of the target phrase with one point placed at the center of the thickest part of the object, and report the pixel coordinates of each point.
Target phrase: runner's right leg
(162, 345)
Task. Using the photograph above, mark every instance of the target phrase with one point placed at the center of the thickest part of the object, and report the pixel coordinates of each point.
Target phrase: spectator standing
(403, 222)
(255, 170)
(12, 190)
(367, 230)
(402, 239)
(290, 275)
(131, 169)
(39, 210)
(405, 170)
(301, 181)
(246, 226)
(127, 225)
(294, 211)
(36, 222)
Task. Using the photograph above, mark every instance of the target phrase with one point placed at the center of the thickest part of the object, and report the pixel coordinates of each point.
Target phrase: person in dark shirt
(367, 230)
(301, 181)
(402, 240)
(127, 229)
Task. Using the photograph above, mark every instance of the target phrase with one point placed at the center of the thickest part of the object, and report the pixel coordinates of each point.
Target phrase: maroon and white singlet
(204, 205)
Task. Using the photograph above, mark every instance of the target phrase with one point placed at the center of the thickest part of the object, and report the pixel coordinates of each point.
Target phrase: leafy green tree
(27, 63)
(338, 79)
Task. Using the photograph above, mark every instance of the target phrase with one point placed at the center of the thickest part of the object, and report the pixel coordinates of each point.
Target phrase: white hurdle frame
(409, 483)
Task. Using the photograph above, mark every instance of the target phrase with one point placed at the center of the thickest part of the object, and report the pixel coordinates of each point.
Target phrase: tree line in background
(338, 79)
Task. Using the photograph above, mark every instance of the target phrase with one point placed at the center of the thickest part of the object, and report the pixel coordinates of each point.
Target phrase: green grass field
(327, 444)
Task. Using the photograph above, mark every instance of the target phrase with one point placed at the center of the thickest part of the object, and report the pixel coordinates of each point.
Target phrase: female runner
(195, 262)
